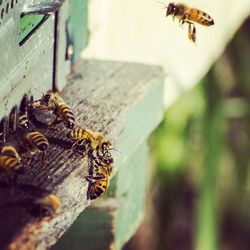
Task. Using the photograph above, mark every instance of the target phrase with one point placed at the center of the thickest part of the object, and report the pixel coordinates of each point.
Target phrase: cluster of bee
(188, 15)
(17, 154)
(96, 147)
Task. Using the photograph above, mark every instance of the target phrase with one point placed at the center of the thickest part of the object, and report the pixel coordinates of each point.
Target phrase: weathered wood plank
(104, 97)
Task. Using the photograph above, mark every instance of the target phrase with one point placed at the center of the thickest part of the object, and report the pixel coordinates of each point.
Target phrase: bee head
(43, 147)
(47, 101)
(171, 9)
(109, 160)
(70, 124)
(46, 98)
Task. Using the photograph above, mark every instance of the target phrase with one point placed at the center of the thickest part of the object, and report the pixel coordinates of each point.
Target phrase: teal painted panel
(28, 24)
(78, 27)
(131, 195)
(91, 231)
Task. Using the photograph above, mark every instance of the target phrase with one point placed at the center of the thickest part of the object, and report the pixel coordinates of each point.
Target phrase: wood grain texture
(105, 97)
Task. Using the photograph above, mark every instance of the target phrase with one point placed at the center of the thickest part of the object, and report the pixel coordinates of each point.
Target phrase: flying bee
(36, 142)
(47, 206)
(98, 181)
(94, 144)
(10, 161)
(54, 103)
(188, 15)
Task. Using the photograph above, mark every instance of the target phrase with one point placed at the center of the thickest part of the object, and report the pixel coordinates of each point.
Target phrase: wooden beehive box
(35, 37)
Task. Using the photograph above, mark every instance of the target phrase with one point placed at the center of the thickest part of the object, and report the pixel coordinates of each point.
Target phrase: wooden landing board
(121, 100)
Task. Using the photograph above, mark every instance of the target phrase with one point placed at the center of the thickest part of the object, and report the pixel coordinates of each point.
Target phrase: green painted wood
(78, 27)
(21, 65)
(131, 194)
(28, 23)
(92, 230)
(62, 62)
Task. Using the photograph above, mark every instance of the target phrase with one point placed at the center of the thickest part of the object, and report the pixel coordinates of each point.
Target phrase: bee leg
(44, 159)
(90, 196)
(191, 32)
(92, 178)
(90, 169)
(80, 147)
(30, 158)
(194, 34)
(182, 21)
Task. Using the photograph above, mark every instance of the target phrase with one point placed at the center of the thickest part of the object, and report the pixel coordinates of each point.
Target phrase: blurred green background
(199, 196)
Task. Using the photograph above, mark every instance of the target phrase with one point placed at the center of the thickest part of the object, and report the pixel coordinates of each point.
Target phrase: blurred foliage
(202, 152)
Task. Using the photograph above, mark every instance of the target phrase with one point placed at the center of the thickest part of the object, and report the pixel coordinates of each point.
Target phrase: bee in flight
(98, 180)
(94, 144)
(47, 206)
(188, 15)
(35, 142)
(54, 103)
(10, 161)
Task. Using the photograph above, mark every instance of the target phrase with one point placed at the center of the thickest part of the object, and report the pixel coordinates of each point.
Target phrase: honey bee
(19, 118)
(13, 118)
(36, 142)
(94, 144)
(98, 180)
(54, 103)
(47, 206)
(3, 130)
(10, 161)
(189, 15)
(23, 113)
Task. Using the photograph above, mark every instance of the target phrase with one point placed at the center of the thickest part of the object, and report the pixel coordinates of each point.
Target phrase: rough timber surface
(101, 95)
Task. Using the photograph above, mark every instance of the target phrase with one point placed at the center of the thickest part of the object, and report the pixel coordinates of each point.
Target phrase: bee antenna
(39, 91)
(115, 150)
(165, 6)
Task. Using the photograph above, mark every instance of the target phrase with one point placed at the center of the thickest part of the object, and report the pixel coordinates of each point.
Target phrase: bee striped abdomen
(47, 206)
(98, 180)
(76, 134)
(9, 163)
(65, 113)
(9, 158)
(97, 188)
(38, 140)
(23, 120)
(200, 17)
